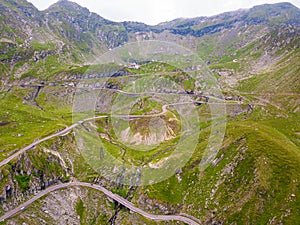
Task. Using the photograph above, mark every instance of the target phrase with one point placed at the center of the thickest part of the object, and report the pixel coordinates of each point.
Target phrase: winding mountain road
(61, 133)
(115, 197)
(109, 194)
(68, 129)
(124, 202)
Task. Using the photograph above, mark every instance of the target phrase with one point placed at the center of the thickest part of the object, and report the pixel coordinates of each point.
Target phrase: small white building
(134, 66)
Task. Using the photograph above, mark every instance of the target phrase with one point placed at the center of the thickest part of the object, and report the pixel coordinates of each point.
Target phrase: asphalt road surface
(68, 129)
(117, 198)
(109, 194)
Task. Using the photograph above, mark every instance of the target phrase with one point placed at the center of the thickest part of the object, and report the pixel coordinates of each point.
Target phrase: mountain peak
(67, 5)
(283, 5)
(283, 12)
(19, 4)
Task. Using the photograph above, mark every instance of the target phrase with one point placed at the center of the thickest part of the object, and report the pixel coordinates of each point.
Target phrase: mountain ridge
(280, 5)
(78, 36)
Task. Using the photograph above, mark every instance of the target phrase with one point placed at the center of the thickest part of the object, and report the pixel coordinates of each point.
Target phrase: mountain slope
(253, 53)
(82, 28)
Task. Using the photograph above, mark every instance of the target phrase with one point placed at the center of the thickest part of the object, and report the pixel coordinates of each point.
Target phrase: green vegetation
(80, 208)
(145, 106)
(45, 46)
(264, 160)
(23, 181)
(26, 122)
(255, 176)
(282, 78)
(229, 65)
(121, 192)
(153, 67)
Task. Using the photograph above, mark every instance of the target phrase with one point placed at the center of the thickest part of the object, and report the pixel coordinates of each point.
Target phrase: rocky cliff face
(30, 174)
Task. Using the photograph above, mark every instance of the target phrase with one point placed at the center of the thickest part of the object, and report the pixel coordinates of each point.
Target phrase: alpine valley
(253, 54)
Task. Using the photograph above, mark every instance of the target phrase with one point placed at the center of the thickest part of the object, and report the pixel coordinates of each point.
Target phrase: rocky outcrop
(27, 176)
